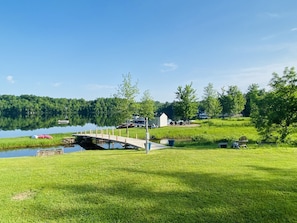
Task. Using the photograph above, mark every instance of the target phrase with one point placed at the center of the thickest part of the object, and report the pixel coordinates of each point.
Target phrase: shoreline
(29, 142)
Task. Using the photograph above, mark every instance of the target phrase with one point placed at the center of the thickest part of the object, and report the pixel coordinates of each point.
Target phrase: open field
(172, 185)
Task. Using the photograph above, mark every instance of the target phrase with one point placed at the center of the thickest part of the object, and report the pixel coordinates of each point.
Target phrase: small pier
(97, 138)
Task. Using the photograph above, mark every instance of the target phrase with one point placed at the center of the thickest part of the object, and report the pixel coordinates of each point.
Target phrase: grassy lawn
(202, 131)
(172, 185)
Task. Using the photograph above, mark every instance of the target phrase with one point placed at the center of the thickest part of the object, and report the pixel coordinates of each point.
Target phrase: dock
(128, 142)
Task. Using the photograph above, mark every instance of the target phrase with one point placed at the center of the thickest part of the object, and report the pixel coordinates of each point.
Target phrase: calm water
(21, 152)
(33, 152)
(52, 130)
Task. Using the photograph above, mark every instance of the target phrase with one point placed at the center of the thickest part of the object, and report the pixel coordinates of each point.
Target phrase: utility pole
(147, 136)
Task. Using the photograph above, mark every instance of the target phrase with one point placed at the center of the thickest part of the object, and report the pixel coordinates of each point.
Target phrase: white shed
(161, 120)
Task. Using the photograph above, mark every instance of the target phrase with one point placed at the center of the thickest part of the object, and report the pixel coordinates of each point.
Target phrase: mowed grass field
(170, 185)
(192, 182)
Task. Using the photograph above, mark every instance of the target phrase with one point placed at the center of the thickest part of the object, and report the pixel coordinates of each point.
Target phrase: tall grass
(172, 185)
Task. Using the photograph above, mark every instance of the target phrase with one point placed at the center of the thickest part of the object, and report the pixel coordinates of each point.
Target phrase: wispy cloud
(242, 77)
(169, 67)
(260, 75)
(272, 15)
(268, 37)
(10, 79)
(57, 84)
(282, 46)
(277, 35)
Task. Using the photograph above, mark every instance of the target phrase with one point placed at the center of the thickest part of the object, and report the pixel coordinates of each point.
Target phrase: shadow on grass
(163, 196)
(188, 145)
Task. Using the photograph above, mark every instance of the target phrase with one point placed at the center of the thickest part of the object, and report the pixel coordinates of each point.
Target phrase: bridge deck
(140, 143)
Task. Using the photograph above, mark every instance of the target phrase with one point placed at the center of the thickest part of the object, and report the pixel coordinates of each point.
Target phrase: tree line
(273, 112)
(123, 104)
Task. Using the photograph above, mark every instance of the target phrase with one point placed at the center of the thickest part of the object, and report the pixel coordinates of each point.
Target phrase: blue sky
(81, 48)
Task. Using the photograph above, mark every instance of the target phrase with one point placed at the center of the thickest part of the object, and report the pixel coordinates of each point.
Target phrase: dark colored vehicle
(124, 125)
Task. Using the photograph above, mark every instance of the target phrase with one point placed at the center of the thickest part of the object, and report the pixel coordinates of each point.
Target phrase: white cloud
(272, 15)
(253, 75)
(294, 29)
(169, 67)
(10, 79)
(241, 77)
(268, 37)
(57, 84)
(283, 46)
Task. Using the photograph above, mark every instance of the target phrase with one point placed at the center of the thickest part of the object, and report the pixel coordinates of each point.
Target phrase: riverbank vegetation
(171, 185)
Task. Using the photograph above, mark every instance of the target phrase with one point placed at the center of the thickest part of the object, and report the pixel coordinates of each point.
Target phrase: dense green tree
(211, 102)
(232, 101)
(251, 96)
(186, 105)
(276, 112)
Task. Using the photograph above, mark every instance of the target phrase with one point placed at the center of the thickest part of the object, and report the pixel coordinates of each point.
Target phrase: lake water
(57, 129)
(52, 130)
(33, 151)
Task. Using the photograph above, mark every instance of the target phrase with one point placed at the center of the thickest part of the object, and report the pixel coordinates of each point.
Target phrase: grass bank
(202, 132)
(172, 185)
(27, 141)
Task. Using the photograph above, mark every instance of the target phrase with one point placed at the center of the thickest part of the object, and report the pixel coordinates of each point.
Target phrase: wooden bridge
(133, 142)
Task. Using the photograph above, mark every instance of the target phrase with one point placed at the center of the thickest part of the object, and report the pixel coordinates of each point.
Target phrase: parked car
(202, 116)
(124, 125)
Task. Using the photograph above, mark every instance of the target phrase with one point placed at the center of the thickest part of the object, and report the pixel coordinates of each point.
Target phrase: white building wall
(163, 120)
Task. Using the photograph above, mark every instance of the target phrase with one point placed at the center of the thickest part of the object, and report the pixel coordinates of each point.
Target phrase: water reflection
(51, 130)
(33, 151)
(35, 125)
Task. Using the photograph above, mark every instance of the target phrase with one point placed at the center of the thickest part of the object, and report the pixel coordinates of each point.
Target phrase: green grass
(26, 142)
(205, 132)
(172, 185)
